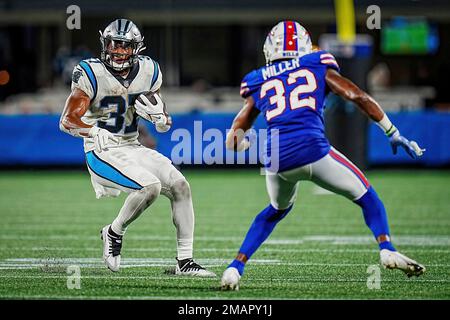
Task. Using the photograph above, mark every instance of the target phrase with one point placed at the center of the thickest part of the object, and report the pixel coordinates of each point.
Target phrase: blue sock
(260, 229)
(386, 245)
(375, 216)
(238, 265)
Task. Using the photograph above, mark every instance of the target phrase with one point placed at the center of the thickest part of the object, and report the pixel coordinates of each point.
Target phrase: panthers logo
(76, 76)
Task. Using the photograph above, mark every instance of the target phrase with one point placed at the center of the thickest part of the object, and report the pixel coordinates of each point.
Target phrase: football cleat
(230, 279)
(188, 267)
(396, 260)
(112, 244)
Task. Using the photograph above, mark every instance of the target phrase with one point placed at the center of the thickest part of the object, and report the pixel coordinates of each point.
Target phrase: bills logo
(290, 54)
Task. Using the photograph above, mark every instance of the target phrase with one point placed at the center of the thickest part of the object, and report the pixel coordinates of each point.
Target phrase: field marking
(49, 263)
(412, 240)
(58, 263)
(248, 280)
(29, 225)
(215, 249)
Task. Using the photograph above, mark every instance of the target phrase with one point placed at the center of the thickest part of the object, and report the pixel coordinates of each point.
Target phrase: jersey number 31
(295, 102)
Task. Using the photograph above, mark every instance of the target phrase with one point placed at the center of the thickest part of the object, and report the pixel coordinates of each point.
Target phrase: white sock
(184, 248)
(183, 218)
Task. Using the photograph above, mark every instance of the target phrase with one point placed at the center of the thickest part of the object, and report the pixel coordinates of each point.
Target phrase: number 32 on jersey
(279, 98)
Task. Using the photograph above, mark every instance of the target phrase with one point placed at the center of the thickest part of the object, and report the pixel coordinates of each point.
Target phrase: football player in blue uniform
(290, 93)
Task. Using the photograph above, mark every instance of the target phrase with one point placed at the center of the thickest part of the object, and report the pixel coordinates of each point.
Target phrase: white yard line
(412, 240)
(248, 280)
(221, 250)
(125, 261)
(55, 263)
(214, 249)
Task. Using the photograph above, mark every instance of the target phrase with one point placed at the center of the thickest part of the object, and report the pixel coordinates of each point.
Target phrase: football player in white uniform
(106, 99)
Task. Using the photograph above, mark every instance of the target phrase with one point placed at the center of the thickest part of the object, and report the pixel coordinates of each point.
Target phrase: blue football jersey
(291, 95)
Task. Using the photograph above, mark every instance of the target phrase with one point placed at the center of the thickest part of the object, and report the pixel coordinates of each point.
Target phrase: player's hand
(149, 111)
(411, 147)
(245, 139)
(249, 139)
(101, 138)
(153, 111)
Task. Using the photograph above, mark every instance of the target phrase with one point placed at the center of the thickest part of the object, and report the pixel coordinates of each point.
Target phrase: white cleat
(396, 260)
(111, 249)
(230, 279)
(188, 267)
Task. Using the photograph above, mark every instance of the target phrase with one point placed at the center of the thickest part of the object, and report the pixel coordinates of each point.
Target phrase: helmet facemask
(121, 43)
(120, 54)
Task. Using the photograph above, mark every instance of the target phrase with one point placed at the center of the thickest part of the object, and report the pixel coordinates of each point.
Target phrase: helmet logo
(288, 39)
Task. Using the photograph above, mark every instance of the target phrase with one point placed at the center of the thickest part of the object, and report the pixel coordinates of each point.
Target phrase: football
(162, 120)
(150, 96)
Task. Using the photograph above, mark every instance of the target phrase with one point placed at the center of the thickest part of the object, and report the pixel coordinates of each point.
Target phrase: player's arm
(76, 106)
(70, 122)
(241, 123)
(349, 91)
(168, 119)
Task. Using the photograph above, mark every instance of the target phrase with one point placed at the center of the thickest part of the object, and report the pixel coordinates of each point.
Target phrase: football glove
(246, 139)
(150, 112)
(411, 147)
(101, 138)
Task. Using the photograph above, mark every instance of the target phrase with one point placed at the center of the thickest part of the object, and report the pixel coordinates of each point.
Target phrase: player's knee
(280, 213)
(283, 204)
(272, 214)
(181, 189)
(152, 190)
(369, 199)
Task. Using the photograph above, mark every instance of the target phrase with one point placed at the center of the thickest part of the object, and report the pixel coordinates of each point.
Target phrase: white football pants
(144, 174)
(333, 172)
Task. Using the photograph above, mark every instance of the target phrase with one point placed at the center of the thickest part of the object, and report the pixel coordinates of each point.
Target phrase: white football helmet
(288, 39)
(121, 42)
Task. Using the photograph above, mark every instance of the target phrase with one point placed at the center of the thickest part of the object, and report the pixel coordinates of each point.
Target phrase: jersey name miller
(276, 69)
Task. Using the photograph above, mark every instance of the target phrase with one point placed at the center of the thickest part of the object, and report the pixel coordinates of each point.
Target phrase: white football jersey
(112, 96)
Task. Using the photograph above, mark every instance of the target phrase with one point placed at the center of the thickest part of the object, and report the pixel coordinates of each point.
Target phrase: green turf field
(321, 250)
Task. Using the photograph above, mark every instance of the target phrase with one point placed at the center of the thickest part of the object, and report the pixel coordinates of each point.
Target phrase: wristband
(386, 125)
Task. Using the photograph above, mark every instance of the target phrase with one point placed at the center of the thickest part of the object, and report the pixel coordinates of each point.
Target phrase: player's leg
(175, 187)
(336, 173)
(116, 169)
(112, 235)
(282, 195)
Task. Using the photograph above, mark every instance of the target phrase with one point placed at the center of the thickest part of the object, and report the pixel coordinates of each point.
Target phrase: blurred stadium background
(204, 49)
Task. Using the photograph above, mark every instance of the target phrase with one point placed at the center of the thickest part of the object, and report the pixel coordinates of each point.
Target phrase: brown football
(150, 97)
